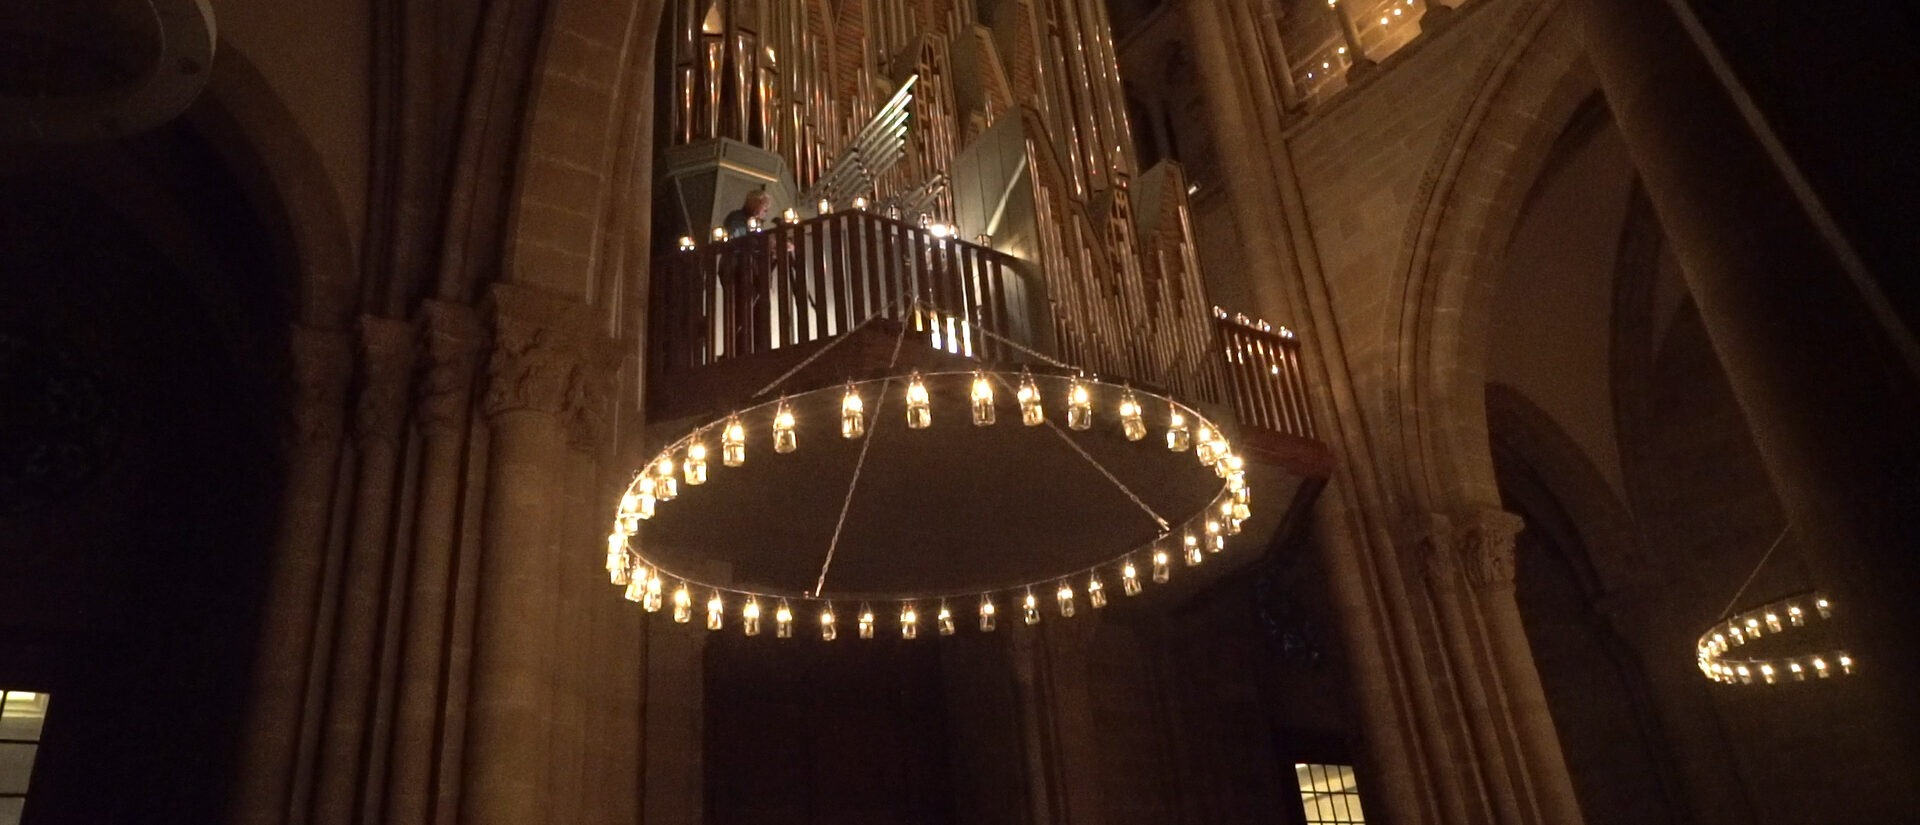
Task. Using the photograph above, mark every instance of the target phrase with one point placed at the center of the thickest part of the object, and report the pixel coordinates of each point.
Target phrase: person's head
(758, 202)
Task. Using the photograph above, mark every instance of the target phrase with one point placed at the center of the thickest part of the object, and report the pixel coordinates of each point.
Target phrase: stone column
(322, 367)
(1441, 568)
(450, 338)
(1486, 545)
(1821, 365)
(1350, 34)
(1408, 757)
(380, 410)
(531, 371)
(1277, 56)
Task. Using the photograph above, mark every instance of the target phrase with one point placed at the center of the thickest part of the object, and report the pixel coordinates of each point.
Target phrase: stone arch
(1477, 186)
(1574, 559)
(579, 216)
(1520, 429)
(263, 146)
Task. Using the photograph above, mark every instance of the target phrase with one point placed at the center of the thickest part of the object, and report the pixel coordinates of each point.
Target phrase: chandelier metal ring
(688, 461)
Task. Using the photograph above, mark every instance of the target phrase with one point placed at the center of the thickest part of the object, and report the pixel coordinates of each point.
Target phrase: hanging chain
(1756, 571)
(873, 432)
(1117, 483)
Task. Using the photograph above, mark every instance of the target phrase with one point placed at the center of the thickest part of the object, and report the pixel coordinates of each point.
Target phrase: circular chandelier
(1717, 648)
(979, 415)
(1798, 614)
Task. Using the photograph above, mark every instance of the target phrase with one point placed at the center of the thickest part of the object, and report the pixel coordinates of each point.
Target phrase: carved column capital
(1487, 545)
(543, 356)
(450, 339)
(591, 398)
(530, 368)
(386, 371)
(322, 369)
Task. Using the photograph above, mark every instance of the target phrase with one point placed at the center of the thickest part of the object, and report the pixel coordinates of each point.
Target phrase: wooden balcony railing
(798, 283)
(1263, 376)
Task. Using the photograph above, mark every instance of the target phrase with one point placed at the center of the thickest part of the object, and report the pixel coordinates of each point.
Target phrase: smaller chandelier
(1719, 648)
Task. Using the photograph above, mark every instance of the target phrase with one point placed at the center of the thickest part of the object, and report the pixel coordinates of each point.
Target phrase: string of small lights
(688, 460)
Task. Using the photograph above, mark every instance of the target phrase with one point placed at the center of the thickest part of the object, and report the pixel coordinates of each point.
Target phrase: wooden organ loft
(968, 157)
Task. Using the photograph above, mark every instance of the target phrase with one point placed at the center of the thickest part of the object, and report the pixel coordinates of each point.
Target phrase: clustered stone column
(322, 368)
(450, 339)
(413, 652)
(1455, 722)
(533, 372)
(1487, 545)
(380, 412)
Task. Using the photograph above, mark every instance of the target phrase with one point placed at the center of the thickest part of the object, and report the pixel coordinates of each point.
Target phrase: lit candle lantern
(853, 420)
(1179, 438)
(733, 442)
(665, 486)
(982, 400)
(784, 439)
(1131, 422)
(919, 407)
(682, 604)
(909, 622)
(1031, 413)
(750, 617)
(1079, 405)
(694, 468)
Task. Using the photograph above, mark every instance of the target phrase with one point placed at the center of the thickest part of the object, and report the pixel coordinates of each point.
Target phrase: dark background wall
(138, 470)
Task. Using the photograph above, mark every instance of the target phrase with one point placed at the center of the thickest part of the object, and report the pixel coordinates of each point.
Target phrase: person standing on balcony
(751, 214)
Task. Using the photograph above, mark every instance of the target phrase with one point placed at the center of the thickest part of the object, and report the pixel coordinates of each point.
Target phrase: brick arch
(1468, 210)
(579, 214)
(250, 128)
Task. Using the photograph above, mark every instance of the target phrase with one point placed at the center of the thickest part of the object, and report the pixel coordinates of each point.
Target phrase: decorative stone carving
(590, 399)
(450, 339)
(322, 368)
(549, 356)
(1487, 545)
(531, 368)
(386, 371)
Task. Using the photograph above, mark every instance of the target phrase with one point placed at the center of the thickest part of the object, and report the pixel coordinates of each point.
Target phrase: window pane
(1328, 794)
(21, 713)
(16, 763)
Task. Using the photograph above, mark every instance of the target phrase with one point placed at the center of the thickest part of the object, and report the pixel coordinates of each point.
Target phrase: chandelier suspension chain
(837, 340)
(826, 564)
(1116, 482)
(1756, 571)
